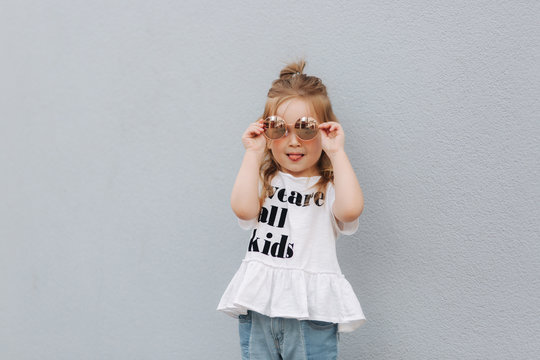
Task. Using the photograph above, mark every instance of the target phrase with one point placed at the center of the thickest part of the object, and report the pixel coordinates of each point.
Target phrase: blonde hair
(293, 83)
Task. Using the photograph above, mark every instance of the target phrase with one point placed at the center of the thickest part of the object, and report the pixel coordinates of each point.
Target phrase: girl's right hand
(253, 138)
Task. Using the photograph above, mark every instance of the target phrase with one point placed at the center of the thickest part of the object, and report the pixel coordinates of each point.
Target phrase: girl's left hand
(332, 137)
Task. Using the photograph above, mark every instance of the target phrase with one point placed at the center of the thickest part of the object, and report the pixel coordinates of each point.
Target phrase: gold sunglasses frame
(304, 120)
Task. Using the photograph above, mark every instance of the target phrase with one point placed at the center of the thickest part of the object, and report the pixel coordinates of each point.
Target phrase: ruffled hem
(282, 292)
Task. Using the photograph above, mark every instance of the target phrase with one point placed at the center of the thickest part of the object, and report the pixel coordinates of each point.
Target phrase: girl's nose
(293, 139)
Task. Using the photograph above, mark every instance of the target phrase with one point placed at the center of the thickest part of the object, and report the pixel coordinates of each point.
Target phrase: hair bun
(292, 70)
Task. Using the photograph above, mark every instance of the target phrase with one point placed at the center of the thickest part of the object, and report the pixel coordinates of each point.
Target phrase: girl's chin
(300, 171)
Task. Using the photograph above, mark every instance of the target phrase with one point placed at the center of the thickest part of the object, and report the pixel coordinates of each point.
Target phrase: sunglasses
(306, 128)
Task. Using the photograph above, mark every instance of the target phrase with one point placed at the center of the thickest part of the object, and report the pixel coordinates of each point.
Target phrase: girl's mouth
(295, 157)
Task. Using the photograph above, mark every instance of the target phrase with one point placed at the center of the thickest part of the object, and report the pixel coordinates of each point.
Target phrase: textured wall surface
(120, 126)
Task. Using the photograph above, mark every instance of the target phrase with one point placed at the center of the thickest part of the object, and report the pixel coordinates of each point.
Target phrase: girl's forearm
(349, 202)
(245, 193)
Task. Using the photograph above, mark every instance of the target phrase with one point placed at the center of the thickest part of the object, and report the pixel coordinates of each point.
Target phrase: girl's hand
(253, 138)
(332, 137)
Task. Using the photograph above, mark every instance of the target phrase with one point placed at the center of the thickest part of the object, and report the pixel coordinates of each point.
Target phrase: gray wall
(120, 140)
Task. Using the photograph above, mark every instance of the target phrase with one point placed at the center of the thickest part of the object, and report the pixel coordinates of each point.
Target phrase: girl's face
(296, 156)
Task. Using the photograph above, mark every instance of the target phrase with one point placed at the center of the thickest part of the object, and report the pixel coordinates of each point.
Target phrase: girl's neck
(303, 176)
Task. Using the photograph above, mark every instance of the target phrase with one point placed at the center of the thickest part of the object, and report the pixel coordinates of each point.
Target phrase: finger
(328, 127)
(258, 124)
(335, 128)
(253, 132)
(256, 129)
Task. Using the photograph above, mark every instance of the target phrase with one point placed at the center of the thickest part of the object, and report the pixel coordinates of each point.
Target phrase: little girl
(296, 191)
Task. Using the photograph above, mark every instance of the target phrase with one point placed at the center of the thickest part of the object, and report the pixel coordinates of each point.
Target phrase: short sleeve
(345, 228)
(247, 224)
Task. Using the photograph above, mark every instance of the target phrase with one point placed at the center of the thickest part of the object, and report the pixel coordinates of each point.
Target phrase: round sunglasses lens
(306, 128)
(274, 127)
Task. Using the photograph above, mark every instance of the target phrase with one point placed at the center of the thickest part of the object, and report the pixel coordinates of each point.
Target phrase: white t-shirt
(291, 268)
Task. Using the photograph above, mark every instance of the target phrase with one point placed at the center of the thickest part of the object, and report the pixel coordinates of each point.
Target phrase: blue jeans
(266, 338)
